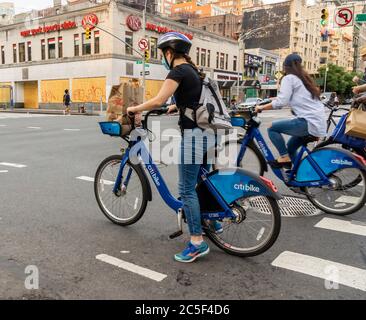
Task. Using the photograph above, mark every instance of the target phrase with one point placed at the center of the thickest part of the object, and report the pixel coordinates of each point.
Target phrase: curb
(45, 111)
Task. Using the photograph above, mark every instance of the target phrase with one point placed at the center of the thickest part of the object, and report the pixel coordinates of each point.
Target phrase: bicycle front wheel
(128, 204)
(253, 231)
(345, 195)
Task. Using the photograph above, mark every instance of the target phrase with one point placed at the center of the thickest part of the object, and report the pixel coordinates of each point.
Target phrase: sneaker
(192, 252)
(217, 226)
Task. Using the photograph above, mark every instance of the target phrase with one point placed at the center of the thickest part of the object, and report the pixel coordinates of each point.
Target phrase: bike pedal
(176, 234)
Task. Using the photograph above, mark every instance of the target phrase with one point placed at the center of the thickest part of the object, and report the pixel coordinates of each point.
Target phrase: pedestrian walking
(67, 102)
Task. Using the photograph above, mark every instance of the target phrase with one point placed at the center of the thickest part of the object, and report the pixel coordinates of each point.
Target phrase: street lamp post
(143, 60)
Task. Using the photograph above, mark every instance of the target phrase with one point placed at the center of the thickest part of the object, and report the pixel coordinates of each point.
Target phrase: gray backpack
(211, 112)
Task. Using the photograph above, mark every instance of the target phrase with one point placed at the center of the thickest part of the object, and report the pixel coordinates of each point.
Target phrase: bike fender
(234, 183)
(329, 159)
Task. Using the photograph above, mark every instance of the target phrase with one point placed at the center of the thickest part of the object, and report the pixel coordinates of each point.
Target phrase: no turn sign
(344, 17)
(143, 44)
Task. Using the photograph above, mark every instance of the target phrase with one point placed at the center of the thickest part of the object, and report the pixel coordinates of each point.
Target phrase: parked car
(250, 102)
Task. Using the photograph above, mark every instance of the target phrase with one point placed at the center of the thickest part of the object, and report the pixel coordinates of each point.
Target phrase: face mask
(165, 63)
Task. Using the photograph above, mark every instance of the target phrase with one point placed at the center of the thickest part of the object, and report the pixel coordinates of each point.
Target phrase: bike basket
(111, 128)
(339, 135)
(238, 122)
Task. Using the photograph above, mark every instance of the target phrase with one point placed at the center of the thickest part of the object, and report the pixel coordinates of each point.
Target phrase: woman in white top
(299, 91)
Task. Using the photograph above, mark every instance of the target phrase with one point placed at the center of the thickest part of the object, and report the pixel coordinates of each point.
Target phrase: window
(227, 62)
(324, 49)
(235, 62)
(198, 56)
(217, 60)
(306, 37)
(96, 42)
(76, 45)
(14, 53)
(214, 28)
(222, 61)
(60, 48)
(154, 48)
(323, 60)
(86, 45)
(22, 52)
(220, 27)
(43, 49)
(52, 48)
(209, 58)
(129, 42)
(204, 28)
(203, 57)
(2, 55)
(29, 49)
(305, 51)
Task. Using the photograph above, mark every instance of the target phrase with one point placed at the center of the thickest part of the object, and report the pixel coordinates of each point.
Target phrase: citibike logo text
(154, 175)
(341, 162)
(246, 187)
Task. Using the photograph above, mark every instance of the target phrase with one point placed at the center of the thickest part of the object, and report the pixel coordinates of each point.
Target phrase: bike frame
(253, 133)
(162, 187)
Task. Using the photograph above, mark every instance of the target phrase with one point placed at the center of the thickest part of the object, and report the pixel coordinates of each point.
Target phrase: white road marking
(3, 125)
(35, 128)
(151, 274)
(348, 199)
(14, 165)
(124, 251)
(71, 129)
(316, 267)
(90, 179)
(4, 171)
(353, 227)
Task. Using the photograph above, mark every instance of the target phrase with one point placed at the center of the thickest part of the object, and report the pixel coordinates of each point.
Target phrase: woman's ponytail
(200, 72)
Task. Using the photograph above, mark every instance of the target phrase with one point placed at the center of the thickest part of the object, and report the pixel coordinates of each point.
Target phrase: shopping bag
(356, 123)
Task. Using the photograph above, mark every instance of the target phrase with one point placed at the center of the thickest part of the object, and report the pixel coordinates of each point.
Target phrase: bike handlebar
(163, 110)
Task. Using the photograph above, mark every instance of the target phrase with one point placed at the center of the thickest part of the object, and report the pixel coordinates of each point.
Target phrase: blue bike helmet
(176, 41)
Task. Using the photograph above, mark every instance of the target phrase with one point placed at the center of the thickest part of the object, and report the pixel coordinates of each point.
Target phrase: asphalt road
(50, 219)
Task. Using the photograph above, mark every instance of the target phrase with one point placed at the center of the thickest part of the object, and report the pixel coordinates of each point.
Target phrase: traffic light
(87, 34)
(324, 17)
(147, 55)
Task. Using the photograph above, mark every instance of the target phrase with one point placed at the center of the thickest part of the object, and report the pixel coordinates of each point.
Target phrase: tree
(338, 80)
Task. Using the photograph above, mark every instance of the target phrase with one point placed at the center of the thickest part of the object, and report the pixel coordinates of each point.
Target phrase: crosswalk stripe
(348, 199)
(324, 269)
(151, 274)
(14, 165)
(353, 227)
(4, 171)
(35, 128)
(90, 179)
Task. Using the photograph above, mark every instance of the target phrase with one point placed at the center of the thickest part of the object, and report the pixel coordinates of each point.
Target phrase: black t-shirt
(189, 90)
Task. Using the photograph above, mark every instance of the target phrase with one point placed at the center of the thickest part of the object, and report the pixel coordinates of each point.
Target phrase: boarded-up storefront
(5, 93)
(52, 91)
(152, 86)
(89, 90)
(31, 95)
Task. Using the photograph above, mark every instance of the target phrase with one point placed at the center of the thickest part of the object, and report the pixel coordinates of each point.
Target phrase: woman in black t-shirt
(184, 81)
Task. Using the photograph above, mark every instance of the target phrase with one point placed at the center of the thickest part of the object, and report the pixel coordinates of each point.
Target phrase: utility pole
(143, 60)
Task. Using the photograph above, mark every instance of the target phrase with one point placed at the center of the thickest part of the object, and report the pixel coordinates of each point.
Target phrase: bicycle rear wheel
(346, 195)
(128, 204)
(253, 231)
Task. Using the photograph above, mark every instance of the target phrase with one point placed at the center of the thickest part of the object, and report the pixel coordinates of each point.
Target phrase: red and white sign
(90, 21)
(46, 29)
(161, 29)
(344, 17)
(143, 44)
(133, 22)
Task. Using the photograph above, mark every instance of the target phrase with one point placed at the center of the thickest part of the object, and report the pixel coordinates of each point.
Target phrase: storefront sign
(133, 22)
(52, 28)
(161, 29)
(90, 21)
(252, 60)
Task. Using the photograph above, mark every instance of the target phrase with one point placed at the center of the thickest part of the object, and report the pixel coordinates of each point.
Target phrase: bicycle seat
(309, 139)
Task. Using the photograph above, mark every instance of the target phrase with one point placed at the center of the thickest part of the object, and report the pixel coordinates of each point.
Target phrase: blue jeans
(296, 128)
(192, 156)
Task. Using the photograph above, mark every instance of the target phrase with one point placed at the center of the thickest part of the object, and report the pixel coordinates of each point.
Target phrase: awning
(243, 84)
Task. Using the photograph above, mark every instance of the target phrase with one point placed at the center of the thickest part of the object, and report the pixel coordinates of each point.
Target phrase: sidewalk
(50, 111)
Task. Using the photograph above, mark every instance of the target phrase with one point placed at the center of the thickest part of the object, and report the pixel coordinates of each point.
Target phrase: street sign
(278, 75)
(361, 17)
(344, 17)
(147, 73)
(143, 44)
(139, 62)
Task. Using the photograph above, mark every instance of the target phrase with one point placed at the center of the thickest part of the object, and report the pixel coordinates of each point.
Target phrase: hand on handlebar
(172, 109)
(131, 111)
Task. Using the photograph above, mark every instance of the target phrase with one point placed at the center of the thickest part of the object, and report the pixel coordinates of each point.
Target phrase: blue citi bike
(244, 203)
(333, 179)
